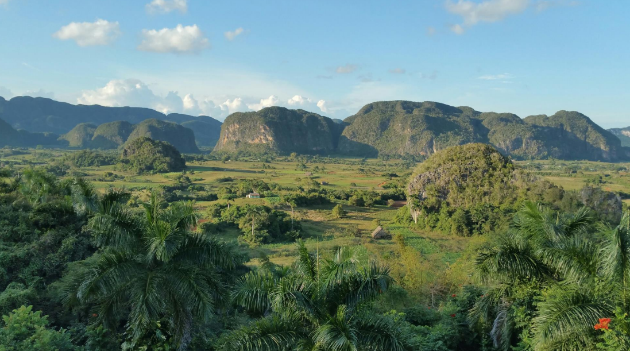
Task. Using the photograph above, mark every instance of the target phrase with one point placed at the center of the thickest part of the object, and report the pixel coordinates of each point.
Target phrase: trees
(318, 305)
(25, 330)
(338, 211)
(552, 278)
(151, 270)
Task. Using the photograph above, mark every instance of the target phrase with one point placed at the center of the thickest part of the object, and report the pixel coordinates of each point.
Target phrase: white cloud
(485, 11)
(457, 29)
(430, 30)
(101, 32)
(39, 93)
(231, 35)
(6, 93)
(298, 100)
(131, 92)
(432, 76)
(234, 105)
(179, 40)
(166, 6)
(397, 71)
(268, 102)
(348, 68)
(322, 106)
(4, 2)
(502, 76)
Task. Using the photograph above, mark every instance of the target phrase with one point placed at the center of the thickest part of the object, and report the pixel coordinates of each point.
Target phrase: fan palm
(152, 269)
(316, 307)
(553, 258)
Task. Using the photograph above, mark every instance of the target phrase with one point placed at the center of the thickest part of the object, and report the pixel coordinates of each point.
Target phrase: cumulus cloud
(348, 68)
(298, 100)
(166, 6)
(397, 71)
(178, 40)
(457, 29)
(322, 106)
(131, 92)
(502, 76)
(39, 93)
(6, 93)
(268, 102)
(233, 34)
(101, 32)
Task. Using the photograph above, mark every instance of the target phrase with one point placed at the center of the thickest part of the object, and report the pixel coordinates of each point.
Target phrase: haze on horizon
(214, 58)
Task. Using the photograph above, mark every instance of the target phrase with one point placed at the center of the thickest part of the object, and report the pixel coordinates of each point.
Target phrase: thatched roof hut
(380, 233)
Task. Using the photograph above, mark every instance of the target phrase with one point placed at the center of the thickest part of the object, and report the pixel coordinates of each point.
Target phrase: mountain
(623, 134)
(46, 115)
(80, 136)
(115, 134)
(207, 132)
(401, 128)
(9, 136)
(280, 130)
(177, 135)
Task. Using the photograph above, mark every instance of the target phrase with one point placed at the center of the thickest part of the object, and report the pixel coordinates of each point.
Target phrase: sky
(214, 57)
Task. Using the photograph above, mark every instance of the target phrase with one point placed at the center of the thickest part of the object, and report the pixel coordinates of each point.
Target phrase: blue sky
(331, 57)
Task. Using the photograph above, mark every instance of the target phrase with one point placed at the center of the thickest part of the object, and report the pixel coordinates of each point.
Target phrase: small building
(380, 233)
(253, 196)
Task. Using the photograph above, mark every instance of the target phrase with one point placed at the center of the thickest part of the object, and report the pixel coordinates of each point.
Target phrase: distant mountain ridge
(400, 128)
(50, 116)
(115, 134)
(623, 134)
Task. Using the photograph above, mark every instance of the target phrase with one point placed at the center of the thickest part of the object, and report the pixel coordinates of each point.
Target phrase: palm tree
(152, 269)
(550, 258)
(315, 308)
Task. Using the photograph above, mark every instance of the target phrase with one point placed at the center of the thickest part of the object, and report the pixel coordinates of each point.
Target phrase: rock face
(401, 128)
(115, 134)
(279, 130)
(46, 115)
(623, 134)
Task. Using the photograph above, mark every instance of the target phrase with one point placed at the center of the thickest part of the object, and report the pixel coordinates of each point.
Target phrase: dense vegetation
(404, 127)
(147, 155)
(474, 189)
(121, 263)
(116, 134)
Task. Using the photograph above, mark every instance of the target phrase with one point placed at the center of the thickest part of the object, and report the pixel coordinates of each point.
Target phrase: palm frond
(567, 314)
(253, 290)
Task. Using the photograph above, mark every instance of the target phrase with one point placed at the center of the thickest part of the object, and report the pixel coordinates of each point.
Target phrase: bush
(338, 211)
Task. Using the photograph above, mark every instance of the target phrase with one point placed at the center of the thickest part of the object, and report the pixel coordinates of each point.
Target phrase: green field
(320, 230)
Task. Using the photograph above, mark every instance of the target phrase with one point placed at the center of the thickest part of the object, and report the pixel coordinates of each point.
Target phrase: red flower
(603, 323)
(453, 315)
(453, 295)
(94, 315)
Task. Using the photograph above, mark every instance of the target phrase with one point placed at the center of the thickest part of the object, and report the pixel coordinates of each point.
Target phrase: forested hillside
(46, 115)
(421, 128)
(115, 134)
